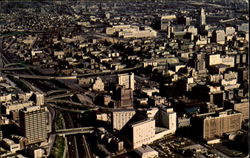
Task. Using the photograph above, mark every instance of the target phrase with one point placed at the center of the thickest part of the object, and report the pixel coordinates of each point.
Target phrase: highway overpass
(59, 96)
(72, 131)
(46, 77)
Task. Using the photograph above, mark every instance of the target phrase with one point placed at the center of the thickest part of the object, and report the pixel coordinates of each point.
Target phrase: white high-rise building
(33, 123)
(39, 99)
(127, 80)
(121, 117)
(143, 132)
(202, 17)
(168, 119)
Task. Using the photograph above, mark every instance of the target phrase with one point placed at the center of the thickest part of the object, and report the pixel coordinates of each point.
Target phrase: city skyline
(85, 79)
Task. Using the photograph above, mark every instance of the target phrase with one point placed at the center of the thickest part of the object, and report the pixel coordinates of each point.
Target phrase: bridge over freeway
(65, 102)
(56, 91)
(72, 131)
(42, 77)
(15, 64)
(46, 77)
(59, 96)
(69, 109)
(13, 69)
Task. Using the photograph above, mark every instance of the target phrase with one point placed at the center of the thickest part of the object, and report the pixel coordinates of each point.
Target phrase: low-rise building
(146, 152)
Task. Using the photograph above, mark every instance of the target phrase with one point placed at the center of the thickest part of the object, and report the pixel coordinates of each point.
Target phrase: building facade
(121, 117)
(127, 80)
(214, 125)
(33, 124)
(142, 132)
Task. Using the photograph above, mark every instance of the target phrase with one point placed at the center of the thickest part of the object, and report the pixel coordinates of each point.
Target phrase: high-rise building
(219, 36)
(125, 96)
(213, 59)
(168, 118)
(214, 125)
(143, 132)
(241, 105)
(184, 20)
(200, 62)
(169, 30)
(127, 80)
(39, 99)
(120, 118)
(1, 135)
(166, 21)
(202, 17)
(33, 124)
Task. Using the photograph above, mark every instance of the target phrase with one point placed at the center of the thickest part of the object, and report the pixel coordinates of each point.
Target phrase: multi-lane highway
(1, 52)
(46, 77)
(72, 131)
(76, 142)
(71, 139)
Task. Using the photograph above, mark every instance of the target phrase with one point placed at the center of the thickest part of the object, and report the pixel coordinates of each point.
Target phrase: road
(74, 77)
(74, 142)
(71, 131)
(86, 147)
(77, 144)
(60, 96)
(83, 146)
(52, 128)
(71, 139)
(1, 53)
(68, 109)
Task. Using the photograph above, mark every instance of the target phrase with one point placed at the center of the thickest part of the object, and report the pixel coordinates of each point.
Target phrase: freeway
(13, 69)
(52, 128)
(30, 86)
(1, 52)
(42, 77)
(77, 144)
(56, 91)
(71, 139)
(72, 131)
(27, 32)
(86, 147)
(74, 76)
(14, 64)
(67, 102)
(68, 109)
(80, 105)
(59, 96)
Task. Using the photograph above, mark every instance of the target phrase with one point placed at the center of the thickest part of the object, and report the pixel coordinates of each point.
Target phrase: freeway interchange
(77, 145)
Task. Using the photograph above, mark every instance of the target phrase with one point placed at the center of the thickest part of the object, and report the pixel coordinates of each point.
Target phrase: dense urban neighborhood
(124, 79)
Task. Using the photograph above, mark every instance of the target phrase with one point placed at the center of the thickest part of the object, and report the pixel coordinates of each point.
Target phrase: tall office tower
(33, 124)
(120, 118)
(125, 96)
(214, 125)
(169, 30)
(167, 118)
(39, 99)
(142, 132)
(202, 19)
(219, 36)
(1, 135)
(127, 80)
(166, 21)
(200, 64)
